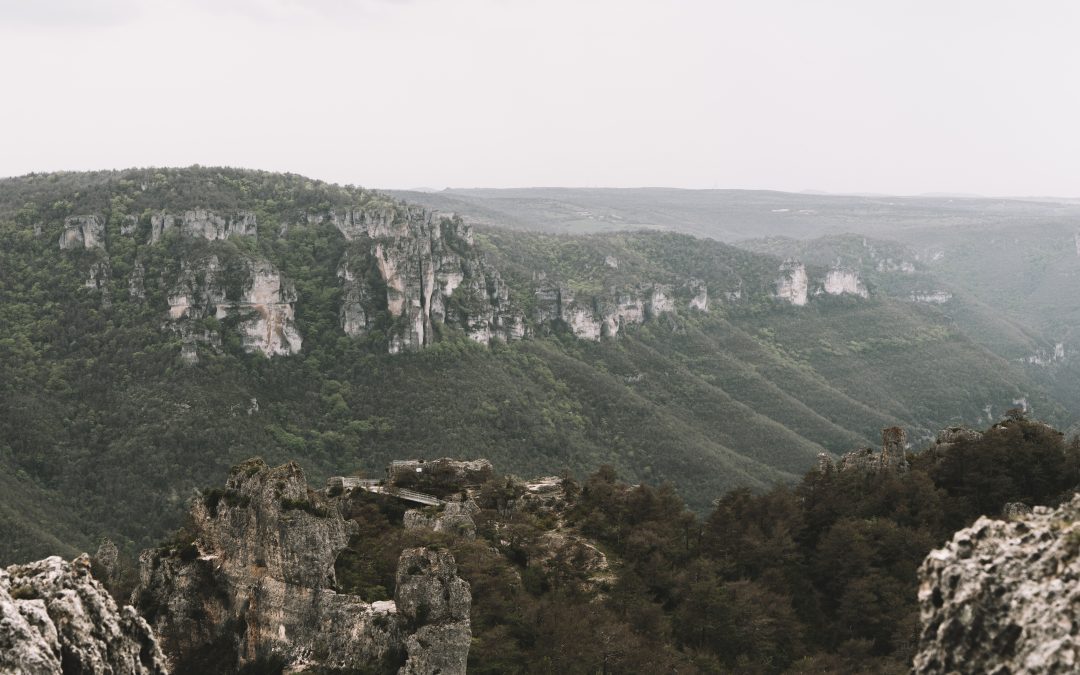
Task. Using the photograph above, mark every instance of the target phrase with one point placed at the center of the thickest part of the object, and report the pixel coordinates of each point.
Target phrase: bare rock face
(254, 576)
(83, 232)
(841, 281)
(1004, 597)
(55, 618)
(793, 285)
(204, 224)
(410, 263)
(251, 290)
(429, 592)
(425, 271)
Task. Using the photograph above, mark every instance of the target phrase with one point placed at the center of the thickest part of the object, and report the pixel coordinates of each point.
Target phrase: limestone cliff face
(55, 618)
(607, 315)
(83, 232)
(254, 576)
(423, 269)
(840, 281)
(793, 285)
(1003, 596)
(251, 291)
(204, 224)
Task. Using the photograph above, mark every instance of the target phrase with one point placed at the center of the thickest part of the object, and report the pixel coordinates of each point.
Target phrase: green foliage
(104, 431)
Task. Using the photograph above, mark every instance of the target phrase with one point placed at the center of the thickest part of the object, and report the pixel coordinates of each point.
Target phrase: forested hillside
(161, 325)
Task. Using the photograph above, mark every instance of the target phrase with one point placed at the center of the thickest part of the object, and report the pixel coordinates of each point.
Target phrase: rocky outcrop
(254, 576)
(83, 232)
(204, 224)
(892, 457)
(1003, 597)
(840, 281)
(430, 594)
(252, 291)
(793, 285)
(410, 263)
(451, 518)
(55, 618)
(607, 315)
(424, 270)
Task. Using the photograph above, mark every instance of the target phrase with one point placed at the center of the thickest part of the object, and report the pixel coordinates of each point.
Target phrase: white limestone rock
(1004, 596)
(265, 305)
(55, 618)
(86, 232)
(840, 281)
(205, 224)
(793, 285)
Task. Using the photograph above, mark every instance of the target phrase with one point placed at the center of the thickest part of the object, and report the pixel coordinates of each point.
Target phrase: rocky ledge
(55, 618)
(1003, 596)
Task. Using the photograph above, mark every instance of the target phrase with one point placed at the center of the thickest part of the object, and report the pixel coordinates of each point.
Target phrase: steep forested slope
(161, 325)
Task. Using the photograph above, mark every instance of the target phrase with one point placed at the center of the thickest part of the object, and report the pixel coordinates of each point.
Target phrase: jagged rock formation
(255, 576)
(1003, 597)
(430, 593)
(892, 457)
(425, 271)
(83, 232)
(793, 285)
(607, 315)
(55, 618)
(252, 291)
(204, 224)
(840, 281)
(411, 262)
(420, 269)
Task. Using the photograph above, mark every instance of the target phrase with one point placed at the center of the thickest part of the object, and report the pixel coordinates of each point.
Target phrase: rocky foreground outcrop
(55, 618)
(1004, 597)
(253, 577)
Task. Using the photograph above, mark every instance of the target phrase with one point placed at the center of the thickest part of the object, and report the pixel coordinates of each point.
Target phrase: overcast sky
(847, 96)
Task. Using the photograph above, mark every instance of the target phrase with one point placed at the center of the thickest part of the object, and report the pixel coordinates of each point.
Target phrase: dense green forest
(817, 577)
(105, 429)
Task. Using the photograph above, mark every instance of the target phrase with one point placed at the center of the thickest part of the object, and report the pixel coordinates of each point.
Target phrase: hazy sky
(864, 95)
